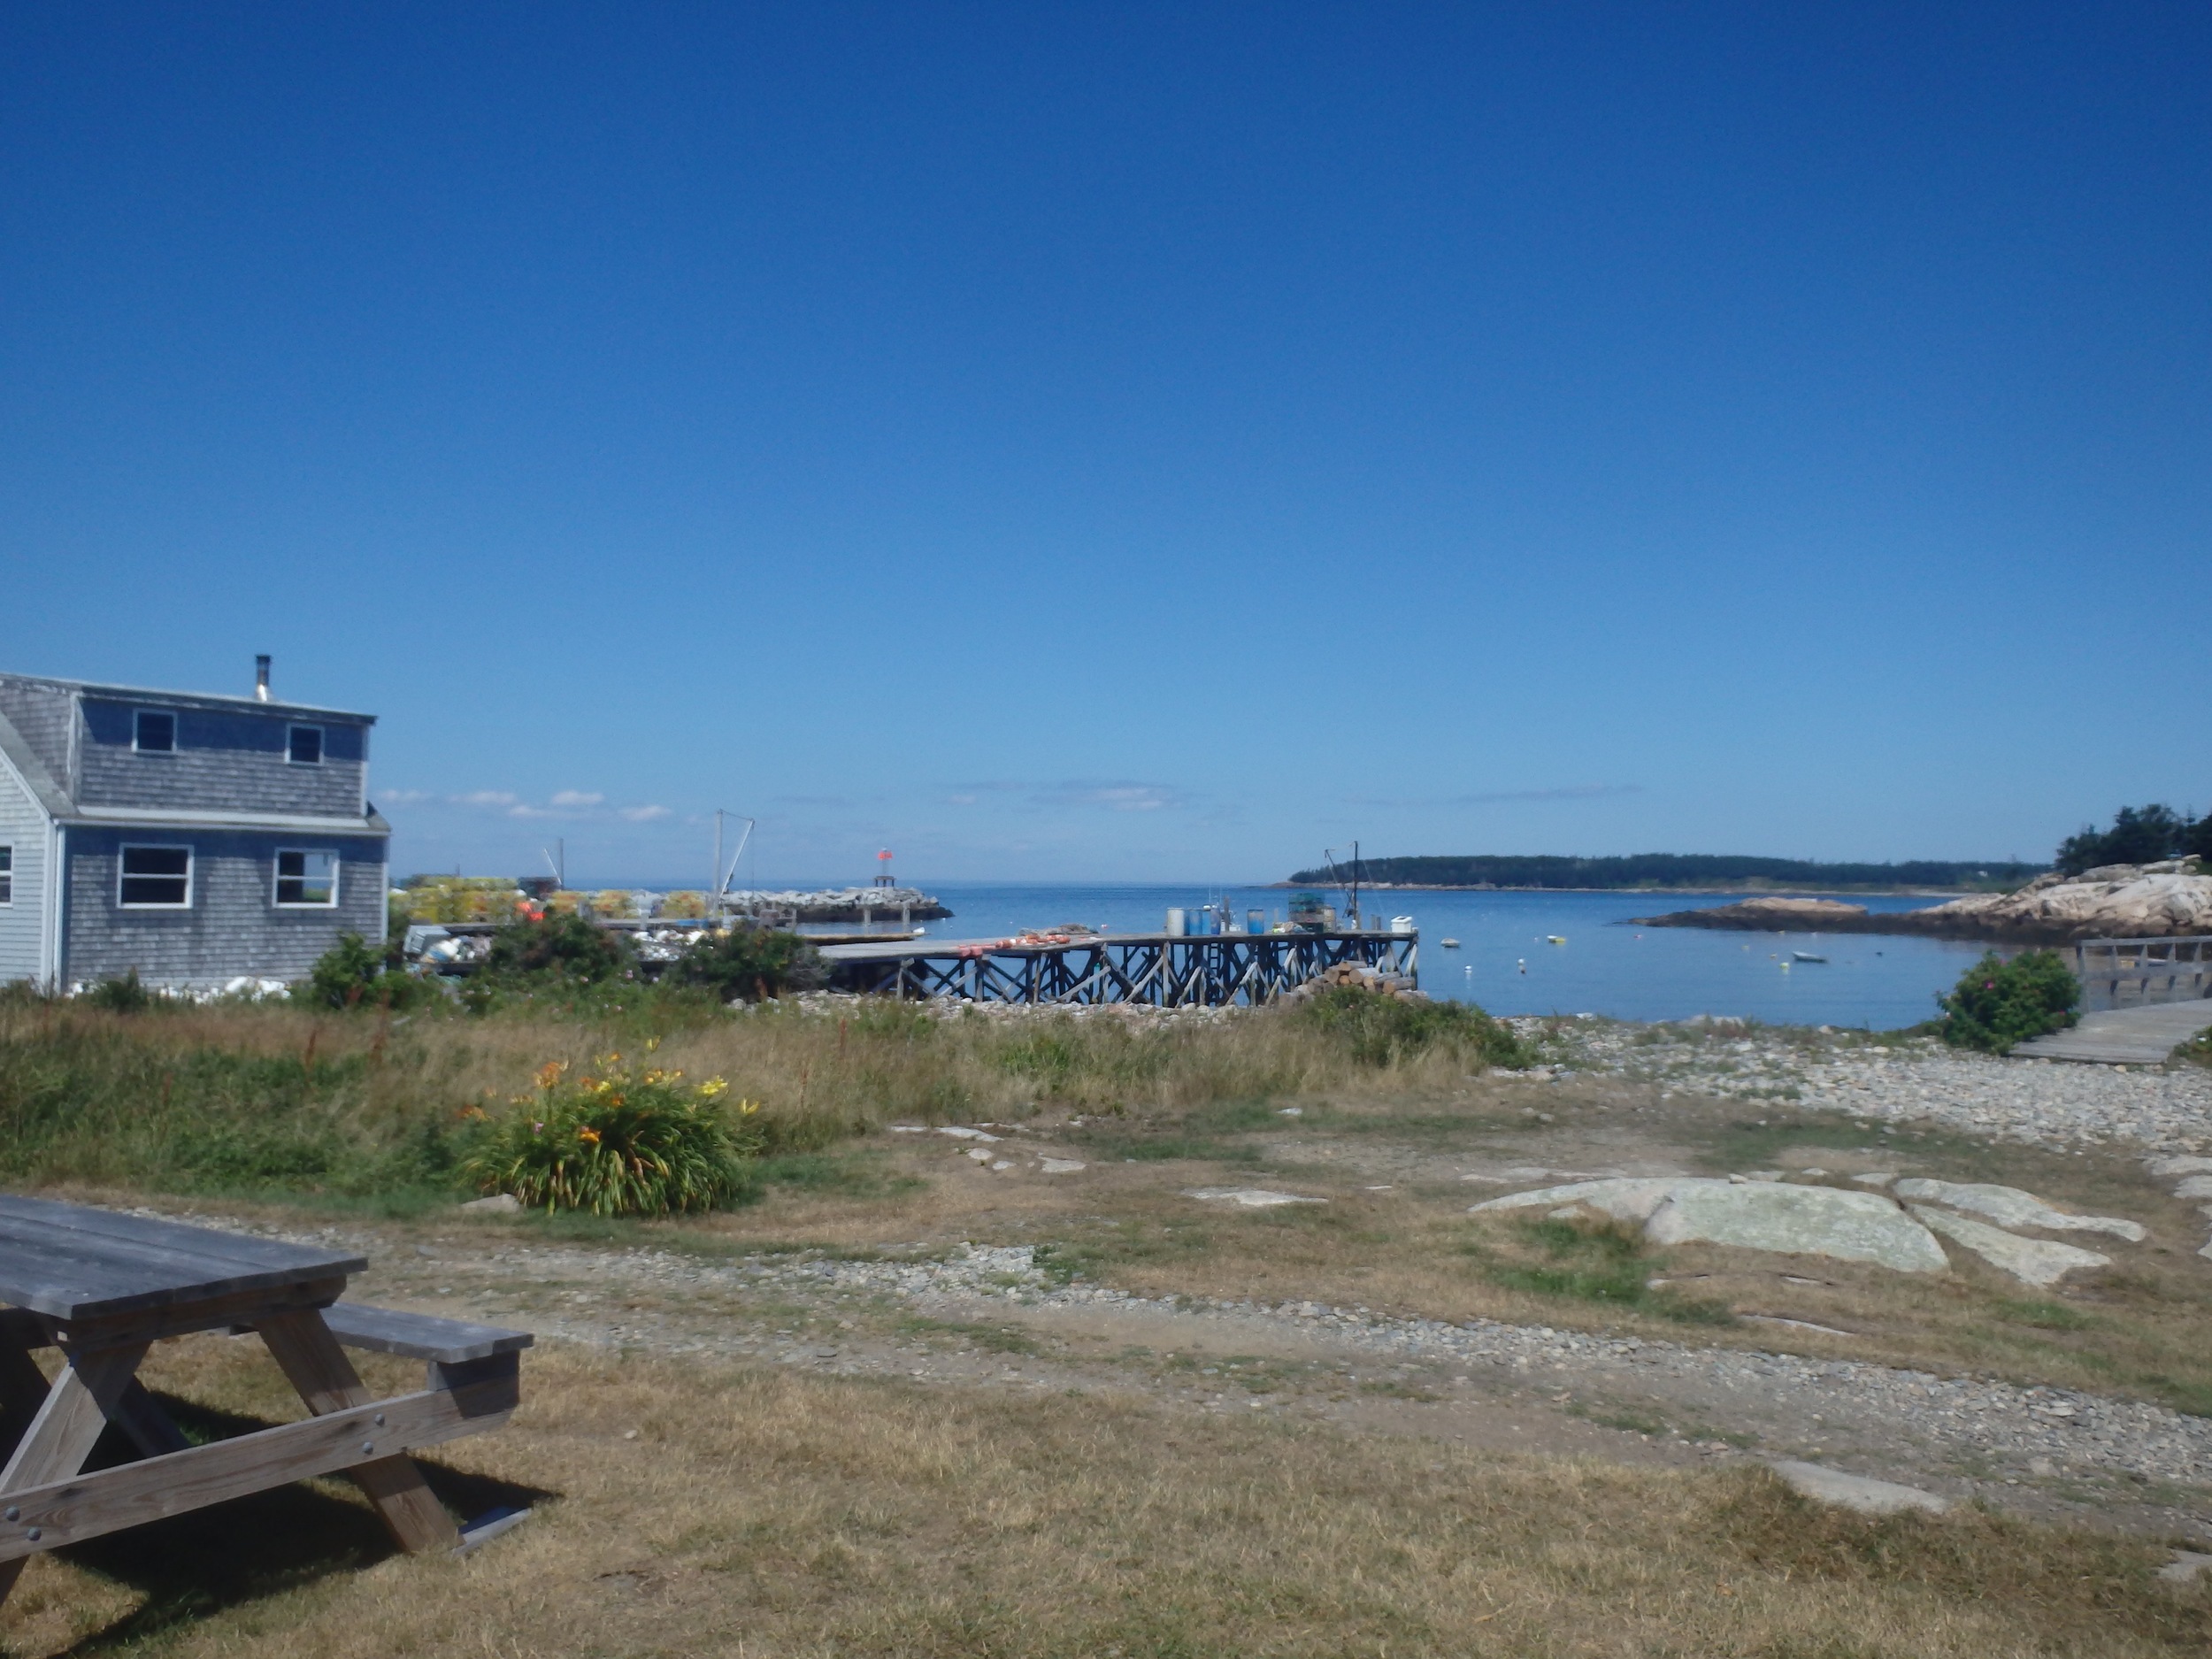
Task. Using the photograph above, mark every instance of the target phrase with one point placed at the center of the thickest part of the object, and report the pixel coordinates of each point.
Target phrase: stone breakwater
(1961, 1416)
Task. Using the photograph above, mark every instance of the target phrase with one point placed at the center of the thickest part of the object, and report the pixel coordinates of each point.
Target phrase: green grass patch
(996, 1339)
(1608, 1267)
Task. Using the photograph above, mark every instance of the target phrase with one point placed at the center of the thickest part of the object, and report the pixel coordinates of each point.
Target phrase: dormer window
(303, 746)
(154, 731)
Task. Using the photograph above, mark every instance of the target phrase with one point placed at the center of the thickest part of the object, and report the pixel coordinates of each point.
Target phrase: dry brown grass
(766, 1513)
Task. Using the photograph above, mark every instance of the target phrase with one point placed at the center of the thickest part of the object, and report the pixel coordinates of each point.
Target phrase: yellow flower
(549, 1073)
(652, 1043)
(590, 1137)
(748, 1108)
(713, 1087)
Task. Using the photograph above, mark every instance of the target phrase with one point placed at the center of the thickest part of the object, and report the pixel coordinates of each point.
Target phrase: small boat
(1555, 939)
(1448, 944)
(1805, 956)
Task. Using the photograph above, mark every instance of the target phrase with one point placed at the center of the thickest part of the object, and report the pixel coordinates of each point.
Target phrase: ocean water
(1505, 963)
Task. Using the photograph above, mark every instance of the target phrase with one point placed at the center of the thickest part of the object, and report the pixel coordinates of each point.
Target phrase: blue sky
(1127, 442)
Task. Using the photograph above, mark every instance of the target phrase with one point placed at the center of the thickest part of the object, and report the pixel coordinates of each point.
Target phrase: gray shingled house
(200, 839)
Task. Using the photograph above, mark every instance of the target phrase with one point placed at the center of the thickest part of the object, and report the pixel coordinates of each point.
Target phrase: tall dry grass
(367, 1104)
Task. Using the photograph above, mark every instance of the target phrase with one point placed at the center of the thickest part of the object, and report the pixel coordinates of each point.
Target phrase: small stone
(2186, 1566)
(1856, 1492)
(1876, 1178)
(2164, 1168)
(1250, 1197)
(498, 1204)
(1060, 1166)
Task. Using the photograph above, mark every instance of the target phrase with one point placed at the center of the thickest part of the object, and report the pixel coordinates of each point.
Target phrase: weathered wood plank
(62, 1435)
(68, 1511)
(318, 1368)
(208, 1314)
(419, 1335)
(74, 1263)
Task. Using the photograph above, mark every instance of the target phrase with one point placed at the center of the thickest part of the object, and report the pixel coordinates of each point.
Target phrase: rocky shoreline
(2116, 902)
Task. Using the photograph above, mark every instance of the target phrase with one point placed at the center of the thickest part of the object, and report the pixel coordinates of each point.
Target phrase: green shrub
(557, 947)
(352, 973)
(1381, 1029)
(125, 995)
(619, 1144)
(750, 963)
(1998, 1003)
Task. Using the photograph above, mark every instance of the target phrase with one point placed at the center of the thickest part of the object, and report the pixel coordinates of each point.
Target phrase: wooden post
(67, 1426)
(302, 1345)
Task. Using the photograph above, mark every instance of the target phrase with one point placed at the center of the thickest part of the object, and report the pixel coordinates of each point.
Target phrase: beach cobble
(2044, 1102)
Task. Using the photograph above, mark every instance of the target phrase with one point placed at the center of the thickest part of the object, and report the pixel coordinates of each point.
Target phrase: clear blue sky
(1133, 442)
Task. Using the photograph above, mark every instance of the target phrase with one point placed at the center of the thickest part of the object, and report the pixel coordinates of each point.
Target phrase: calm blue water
(1603, 968)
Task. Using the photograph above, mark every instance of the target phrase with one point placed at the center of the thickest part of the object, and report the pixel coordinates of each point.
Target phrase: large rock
(1766, 915)
(2037, 1262)
(1753, 1216)
(1862, 1492)
(2116, 902)
(2010, 1207)
(1796, 1221)
(1624, 1200)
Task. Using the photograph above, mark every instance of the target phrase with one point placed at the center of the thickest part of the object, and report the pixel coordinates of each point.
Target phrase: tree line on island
(2138, 835)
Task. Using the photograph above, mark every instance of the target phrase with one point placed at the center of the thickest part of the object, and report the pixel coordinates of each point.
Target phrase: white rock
(1876, 1178)
(960, 1133)
(979, 1154)
(498, 1204)
(2037, 1262)
(1856, 1492)
(1000, 1164)
(2195, 1186)
(1796, 1221)
(1250, 1197)
(1060, 1166)
(2185, 1565)
(1626, 1200)
(2014, 1208)
(2164, 1167)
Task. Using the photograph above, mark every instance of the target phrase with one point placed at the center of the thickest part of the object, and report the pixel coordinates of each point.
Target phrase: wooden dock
(2124, 1036)
(1148, 970)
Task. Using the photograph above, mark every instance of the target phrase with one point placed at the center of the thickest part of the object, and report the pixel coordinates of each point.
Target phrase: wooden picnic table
(103, 1286)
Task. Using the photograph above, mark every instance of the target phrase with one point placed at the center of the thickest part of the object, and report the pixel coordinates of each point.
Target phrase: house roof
(190, 699)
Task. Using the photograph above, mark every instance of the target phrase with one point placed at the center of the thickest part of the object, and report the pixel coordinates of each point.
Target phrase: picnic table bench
(102, 1287)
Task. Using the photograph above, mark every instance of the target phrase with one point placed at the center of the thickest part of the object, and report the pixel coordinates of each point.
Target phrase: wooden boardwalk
(2124, 1036)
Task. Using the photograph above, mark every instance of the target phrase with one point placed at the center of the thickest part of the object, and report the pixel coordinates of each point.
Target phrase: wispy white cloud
(1116, 795)
(1569, 792)
(485, 797)
(577, 798)
(402, 798)
(645, 814)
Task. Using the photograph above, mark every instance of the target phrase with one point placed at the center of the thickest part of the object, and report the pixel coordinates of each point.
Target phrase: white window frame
(191, 870)
(277, 886)
(7, 873)
(322, 743)
(176, 731)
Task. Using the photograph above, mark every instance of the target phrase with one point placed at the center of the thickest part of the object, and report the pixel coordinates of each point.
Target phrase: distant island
(1708, 872)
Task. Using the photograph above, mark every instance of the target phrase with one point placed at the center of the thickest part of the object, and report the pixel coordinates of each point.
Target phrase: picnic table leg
(318, 1368)
(67, 1426)
(22, 1391)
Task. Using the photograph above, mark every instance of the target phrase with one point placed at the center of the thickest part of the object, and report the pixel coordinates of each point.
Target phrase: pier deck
(1150, 970)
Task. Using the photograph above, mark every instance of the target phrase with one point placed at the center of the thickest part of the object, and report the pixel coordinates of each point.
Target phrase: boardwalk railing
(1152, 970)
(2137, 972)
